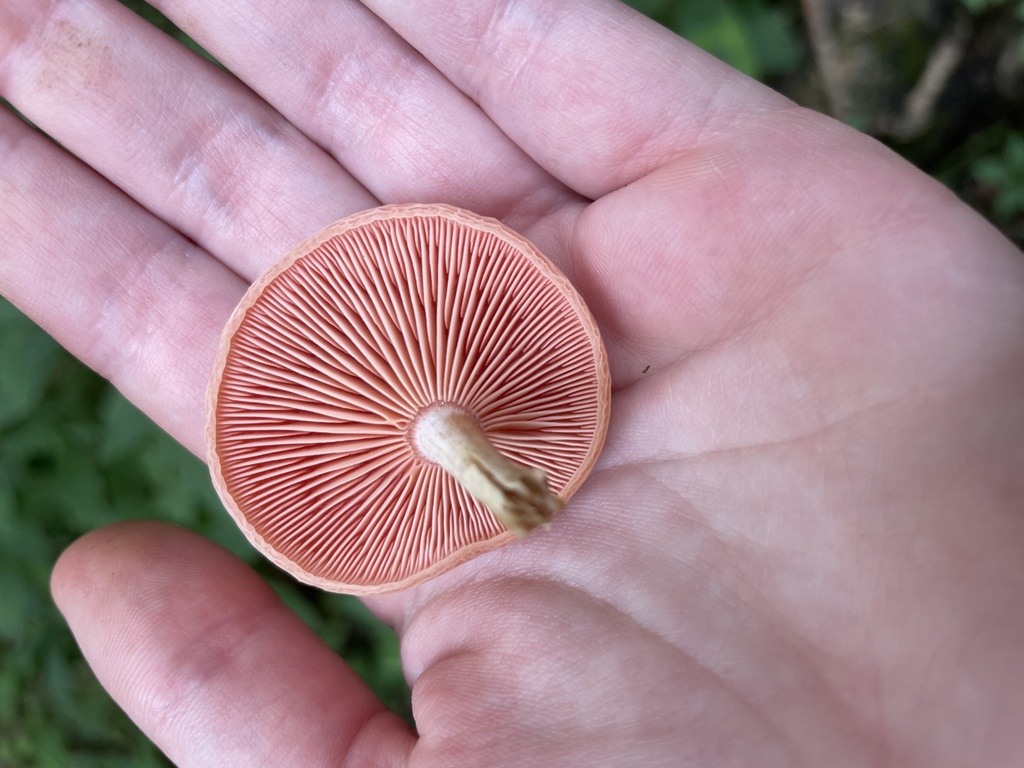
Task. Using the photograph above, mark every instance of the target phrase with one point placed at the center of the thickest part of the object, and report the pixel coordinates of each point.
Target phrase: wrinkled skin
(804, 542)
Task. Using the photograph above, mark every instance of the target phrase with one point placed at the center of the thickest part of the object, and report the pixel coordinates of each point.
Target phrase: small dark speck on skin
(645, 370)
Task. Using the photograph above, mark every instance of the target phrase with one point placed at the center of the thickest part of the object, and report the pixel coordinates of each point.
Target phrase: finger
(387, 115)
(121, 290)
(177, 133)
(595, 92)
(205, 658)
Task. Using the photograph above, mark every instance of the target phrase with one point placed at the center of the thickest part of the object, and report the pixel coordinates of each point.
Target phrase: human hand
(803, 543)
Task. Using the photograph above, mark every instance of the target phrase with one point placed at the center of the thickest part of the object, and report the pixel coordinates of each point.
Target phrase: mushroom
(411, 387)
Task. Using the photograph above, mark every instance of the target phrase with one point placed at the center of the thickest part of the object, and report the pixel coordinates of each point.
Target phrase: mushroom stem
(518, 496)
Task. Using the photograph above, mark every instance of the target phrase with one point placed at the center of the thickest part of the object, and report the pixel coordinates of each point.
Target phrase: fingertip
(94, 559)
(122, 556)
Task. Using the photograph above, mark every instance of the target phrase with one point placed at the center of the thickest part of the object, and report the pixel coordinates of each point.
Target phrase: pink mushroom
(411, 387)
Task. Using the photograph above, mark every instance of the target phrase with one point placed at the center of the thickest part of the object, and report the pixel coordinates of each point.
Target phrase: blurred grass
(74, 455)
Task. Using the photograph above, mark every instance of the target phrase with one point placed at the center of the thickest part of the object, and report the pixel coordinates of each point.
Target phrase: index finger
(596, 93)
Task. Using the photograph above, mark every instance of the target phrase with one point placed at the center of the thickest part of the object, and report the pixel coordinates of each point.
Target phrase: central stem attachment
(518, 496)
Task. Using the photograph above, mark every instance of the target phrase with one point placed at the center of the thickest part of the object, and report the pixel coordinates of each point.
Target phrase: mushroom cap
(333, 354)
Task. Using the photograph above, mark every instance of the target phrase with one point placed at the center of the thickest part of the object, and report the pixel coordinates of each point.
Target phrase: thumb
(209, 663)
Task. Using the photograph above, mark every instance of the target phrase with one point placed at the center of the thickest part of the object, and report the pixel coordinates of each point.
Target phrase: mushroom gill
(378, 360)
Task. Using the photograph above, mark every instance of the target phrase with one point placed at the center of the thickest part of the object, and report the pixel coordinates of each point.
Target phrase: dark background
(942, 82)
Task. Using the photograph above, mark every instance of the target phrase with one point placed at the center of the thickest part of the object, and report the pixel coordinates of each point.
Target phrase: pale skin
(804, 542)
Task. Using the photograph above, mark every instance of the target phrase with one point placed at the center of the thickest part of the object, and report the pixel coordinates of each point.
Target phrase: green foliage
(980, 6)
(52, 711)
(75, 455)
(757, 37)
(1003, 174)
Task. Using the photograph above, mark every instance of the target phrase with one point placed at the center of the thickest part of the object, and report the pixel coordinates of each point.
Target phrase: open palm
(804, 542)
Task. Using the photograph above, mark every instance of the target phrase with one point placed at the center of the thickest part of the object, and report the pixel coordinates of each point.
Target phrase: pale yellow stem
(518, 496)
